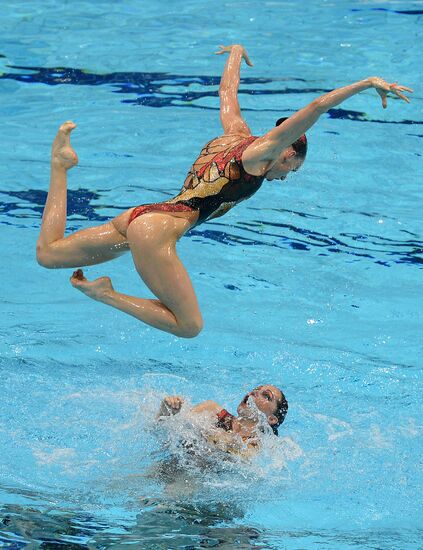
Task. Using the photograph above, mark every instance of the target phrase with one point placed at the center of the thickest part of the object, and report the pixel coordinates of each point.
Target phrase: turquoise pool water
(313, 285)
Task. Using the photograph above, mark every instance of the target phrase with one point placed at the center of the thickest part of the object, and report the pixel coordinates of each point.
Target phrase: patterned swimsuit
(214, 188)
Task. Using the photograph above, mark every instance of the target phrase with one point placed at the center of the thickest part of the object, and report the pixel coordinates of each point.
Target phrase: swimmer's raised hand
(171, 405)
(383, 88)
(233, 47)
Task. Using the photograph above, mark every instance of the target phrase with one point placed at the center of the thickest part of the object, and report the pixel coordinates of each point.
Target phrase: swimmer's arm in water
(268, 147)
(230, 112)
(231, 443)
(170, 405)
(207, 407)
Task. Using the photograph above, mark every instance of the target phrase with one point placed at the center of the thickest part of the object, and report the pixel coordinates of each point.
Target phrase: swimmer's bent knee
(46, 258)
(191, 329)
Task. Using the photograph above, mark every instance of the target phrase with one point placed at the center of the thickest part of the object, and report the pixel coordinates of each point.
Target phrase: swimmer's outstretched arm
(269, 146)
(172, 404)
(206, 406)
(230, 112)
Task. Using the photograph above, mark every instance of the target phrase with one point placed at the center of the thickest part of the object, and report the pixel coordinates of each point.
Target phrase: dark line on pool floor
(257, 232)
(400, 12)
(150, 88)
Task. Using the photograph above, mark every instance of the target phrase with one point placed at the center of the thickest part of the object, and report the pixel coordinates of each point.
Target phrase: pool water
(313, 285)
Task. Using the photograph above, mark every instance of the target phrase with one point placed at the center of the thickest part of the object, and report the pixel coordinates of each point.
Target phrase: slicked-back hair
(300, 145)
(280, 412)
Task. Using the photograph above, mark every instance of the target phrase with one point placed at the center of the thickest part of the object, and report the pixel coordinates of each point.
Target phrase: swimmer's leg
(176, 310)
(86, 247)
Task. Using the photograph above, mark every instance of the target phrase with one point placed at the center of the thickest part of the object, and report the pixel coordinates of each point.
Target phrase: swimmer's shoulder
(223, 142)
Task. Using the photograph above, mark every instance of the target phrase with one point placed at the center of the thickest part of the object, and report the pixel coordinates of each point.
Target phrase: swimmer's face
(287, 162)
(266, 399)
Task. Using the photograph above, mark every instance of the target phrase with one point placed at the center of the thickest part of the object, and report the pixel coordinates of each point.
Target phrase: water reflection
(159, 525)
(172, 526)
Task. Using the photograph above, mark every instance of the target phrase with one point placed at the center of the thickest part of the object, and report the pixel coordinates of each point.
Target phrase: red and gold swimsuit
(214, 188)
(224, 420)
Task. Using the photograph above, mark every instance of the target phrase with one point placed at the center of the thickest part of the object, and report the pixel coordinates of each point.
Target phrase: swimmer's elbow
(319, 106)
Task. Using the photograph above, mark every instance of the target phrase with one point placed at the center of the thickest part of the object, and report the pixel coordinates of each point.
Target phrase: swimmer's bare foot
(62, 154)
(97, 290)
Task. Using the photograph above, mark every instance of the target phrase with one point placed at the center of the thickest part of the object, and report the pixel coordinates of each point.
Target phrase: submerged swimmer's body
(229, 169)
(265, 406)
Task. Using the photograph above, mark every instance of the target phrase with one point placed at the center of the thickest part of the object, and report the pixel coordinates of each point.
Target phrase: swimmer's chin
(245, 411)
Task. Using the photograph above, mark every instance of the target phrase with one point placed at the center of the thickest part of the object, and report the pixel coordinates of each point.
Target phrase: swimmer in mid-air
(229, 169)
(264, 406)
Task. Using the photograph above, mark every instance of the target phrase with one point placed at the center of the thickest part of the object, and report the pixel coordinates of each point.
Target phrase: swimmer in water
(229, 169)
(264, 406)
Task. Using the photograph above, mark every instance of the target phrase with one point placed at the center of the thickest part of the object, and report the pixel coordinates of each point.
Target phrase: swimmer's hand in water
(97, 290)
(383, 88)
(228, 49)
(170, 405)
(62, 153)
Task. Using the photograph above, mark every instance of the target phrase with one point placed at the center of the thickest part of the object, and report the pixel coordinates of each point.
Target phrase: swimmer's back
(217, 180)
